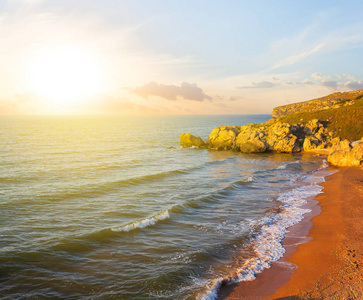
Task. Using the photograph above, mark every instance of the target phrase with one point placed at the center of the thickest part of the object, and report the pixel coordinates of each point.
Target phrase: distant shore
(324, 257)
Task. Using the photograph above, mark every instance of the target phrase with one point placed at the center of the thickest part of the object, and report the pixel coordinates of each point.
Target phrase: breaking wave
(143, 223)
(267, 243)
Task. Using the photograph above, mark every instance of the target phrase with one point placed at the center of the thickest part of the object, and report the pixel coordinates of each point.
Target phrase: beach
(323, 256)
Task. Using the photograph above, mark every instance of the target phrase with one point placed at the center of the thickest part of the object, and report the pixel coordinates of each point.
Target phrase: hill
(331, 101)
(341, 113)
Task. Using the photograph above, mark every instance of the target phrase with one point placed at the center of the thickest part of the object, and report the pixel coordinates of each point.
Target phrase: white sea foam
(249, 179)
(143, 223)
(324, 164)
(268, 241)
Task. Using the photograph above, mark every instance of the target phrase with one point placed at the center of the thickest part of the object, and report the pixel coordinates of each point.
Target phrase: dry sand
(328, 263)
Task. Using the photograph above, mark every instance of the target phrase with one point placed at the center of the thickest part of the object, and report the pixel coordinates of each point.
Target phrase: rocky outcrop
(343, 154)
(277, 137)
(269, 136)
(223, 138)
(187, 140)
(331, 101)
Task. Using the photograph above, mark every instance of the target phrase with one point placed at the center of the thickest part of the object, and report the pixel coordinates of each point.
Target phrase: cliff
(331, 101)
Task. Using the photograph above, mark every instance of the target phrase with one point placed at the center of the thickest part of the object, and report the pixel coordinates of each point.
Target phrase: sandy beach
(324, 258)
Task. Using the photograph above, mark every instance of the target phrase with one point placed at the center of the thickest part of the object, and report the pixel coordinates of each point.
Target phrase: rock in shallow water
(188, 140)
(223, 138)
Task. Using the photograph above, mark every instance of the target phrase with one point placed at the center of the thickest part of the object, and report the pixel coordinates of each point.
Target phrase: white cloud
(317, 76)
(295, 58)
(348, 76)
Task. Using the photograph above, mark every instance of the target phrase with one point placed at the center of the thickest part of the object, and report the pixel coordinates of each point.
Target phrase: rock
(288, 144)
(314, 126)
(253, 146)
(310, 143)
(277, 137)
(342, 154)
(281, 137)
(223, 138)
(188, 140)
(270, 136)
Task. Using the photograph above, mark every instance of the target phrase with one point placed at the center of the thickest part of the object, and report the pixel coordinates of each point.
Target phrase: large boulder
(343, 154)
(223, 138)
(188, 140)
(281, 137)
(251, 139)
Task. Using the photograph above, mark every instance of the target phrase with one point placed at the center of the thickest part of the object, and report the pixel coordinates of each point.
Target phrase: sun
(65, 74)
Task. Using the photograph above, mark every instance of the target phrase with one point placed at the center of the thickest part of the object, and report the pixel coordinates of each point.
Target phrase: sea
(110, 207)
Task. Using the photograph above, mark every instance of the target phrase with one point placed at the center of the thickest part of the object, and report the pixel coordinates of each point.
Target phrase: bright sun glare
(65, 74)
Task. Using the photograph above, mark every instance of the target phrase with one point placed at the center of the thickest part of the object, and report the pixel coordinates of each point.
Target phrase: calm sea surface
(112, 208)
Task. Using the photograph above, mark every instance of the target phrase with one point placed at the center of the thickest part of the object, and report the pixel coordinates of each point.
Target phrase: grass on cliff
(345, 122)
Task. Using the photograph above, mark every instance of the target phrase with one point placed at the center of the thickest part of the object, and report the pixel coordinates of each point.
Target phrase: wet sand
(324, 257)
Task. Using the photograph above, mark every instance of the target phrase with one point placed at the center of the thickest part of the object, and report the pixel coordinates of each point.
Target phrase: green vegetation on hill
(326, 102)
(345, 121)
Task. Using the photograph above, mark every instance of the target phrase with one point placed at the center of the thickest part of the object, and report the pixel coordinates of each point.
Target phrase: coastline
(322, 256)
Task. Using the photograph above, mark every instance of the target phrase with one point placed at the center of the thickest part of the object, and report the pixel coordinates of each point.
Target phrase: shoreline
(318, 249)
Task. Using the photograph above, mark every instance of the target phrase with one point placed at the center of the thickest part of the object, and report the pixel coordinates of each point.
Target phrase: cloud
(355, 85)
(317, 76)
(307, 82)
(293, 59)
(259, 85)
(187, 91)
(333, 85)
(226, 98)
(348, 76)
(341, 84)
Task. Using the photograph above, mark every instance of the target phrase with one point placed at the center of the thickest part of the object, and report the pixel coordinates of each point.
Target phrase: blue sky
(175, 56)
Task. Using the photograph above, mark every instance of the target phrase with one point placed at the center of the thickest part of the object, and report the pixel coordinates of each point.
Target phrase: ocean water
(112, 208)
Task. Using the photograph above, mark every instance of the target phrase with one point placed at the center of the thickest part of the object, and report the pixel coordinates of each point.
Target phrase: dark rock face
(343, 154)
(330, 101)
(254, 138)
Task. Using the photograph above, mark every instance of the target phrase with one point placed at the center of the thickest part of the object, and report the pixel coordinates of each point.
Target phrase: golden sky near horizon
(89, 57)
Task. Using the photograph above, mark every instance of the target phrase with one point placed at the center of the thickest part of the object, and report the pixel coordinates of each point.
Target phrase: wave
(160, 175)
(324, 165)
(267, 241)
(143, 223)
(292, 165)
(215, 195)
(92, 190)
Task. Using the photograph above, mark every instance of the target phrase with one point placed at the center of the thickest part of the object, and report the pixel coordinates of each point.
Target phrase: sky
(175, 57)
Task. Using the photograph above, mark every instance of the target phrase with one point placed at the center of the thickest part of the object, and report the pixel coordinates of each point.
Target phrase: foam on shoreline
(267, 242)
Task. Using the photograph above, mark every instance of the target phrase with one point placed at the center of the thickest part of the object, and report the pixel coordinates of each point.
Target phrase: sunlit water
(112, 208)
